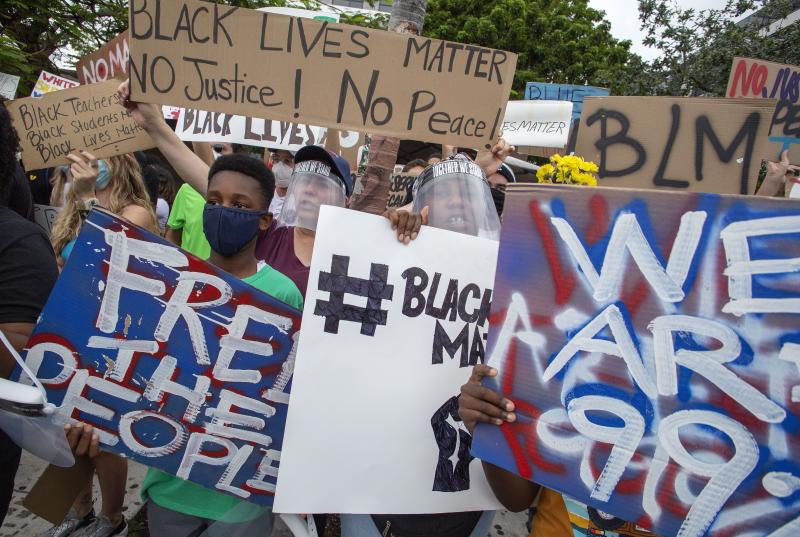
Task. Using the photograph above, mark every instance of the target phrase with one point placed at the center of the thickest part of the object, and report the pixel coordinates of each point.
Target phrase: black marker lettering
(136, 20)
(748, 131)
(621, 137)
(364, 47)
(659, 179)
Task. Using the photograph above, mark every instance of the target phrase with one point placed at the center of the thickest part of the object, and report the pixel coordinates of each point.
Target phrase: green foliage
(697, 46)
(561, 41)
(32, 30)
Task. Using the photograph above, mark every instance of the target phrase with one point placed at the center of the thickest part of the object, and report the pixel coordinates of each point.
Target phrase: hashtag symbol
(338, 283)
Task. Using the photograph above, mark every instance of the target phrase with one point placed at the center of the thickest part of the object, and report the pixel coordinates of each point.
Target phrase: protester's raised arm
(189, 166)
(204, 151)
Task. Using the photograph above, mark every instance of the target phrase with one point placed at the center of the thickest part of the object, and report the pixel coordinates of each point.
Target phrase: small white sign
(8, 85)
(537, 123)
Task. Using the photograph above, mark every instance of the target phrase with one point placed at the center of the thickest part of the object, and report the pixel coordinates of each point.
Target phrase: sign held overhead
(86, 117)
(225, 59)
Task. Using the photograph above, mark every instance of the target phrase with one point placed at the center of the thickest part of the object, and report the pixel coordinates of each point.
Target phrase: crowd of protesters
(256, 218)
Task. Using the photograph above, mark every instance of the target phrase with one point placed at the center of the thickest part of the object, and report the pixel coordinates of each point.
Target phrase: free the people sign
(177, 364)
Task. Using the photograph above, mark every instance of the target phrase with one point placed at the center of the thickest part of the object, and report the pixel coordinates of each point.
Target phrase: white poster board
(201, 126)
(537, 123)
(8, 85)
(360, 432)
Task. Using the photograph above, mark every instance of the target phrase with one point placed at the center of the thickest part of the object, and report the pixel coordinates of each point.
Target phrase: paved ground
(21, 523)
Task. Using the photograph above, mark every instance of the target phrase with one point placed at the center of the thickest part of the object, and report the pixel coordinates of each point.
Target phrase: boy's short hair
(242, 163)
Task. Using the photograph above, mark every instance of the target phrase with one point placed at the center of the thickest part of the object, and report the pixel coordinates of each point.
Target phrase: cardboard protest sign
(680, 143)
(537, 123)
(563, 92)
(86, 117)
(784, 126)
(109, 61)
(177, 364)
(8, 85)
(44, 216)
(399, 189)
(48, 83)
(651, 346)
(760, 79)
(261, 64)
(390, 333)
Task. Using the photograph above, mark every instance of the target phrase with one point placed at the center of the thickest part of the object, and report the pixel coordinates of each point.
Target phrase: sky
(624, 18)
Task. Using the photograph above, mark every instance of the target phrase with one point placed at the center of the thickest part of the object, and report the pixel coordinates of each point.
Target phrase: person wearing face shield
(282, 166)
(320, 178)
(457, 196)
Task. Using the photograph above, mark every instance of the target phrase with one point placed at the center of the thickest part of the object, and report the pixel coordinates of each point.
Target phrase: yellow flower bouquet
(569, 170)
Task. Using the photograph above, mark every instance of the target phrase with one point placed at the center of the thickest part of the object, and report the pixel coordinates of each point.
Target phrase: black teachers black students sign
(226, 59)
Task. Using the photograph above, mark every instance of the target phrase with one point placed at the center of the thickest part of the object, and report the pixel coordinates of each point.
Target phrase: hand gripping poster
(651, 344)
(390, 333)
(177, 364)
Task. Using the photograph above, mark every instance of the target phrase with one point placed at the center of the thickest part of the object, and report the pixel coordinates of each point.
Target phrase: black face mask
(499, 197)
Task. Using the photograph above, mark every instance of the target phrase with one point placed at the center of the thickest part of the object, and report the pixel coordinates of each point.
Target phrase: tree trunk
(407, 17)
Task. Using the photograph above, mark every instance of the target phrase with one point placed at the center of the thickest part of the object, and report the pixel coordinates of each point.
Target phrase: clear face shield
(458, 198)
(29, 420)
(313, 185)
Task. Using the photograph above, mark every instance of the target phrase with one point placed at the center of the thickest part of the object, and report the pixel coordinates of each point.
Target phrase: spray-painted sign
(177, 364)
(109, 61)
(48, 83)
(651, 344)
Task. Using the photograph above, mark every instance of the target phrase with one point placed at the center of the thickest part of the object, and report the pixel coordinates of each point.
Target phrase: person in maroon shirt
(320, 178)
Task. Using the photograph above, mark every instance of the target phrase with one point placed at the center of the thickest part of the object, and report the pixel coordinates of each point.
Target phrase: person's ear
(265, 221)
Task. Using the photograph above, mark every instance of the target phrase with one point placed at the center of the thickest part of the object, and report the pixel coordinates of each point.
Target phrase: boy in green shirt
(240, 190)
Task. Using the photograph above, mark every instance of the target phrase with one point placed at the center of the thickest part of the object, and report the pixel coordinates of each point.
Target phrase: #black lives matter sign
(252, 63)
(390, 333)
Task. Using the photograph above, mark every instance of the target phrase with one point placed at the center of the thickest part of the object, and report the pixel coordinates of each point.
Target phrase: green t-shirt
(187, 214)
(189, 498)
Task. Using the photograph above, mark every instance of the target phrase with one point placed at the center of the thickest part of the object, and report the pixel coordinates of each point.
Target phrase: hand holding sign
(480, 404)
(84, 170)
(406, 223)
(146, 115)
